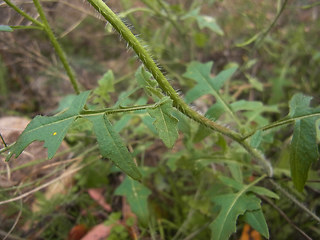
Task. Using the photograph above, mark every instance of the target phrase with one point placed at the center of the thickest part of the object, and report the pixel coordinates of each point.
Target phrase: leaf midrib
(165, 122)
(238, 195)
(116, 146)
(217, 95)
(49, 124)
(233, 204)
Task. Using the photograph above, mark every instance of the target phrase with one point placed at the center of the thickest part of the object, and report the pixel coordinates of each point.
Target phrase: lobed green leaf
(51, 130)
(150, 85)
(137, 197)
(105, 87)
(232, 205)
(204, 21)
(201, 73)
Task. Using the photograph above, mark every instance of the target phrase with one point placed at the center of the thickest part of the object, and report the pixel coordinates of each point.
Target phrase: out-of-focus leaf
(137, 197)
(255, 83)
(236, 171)
(240, 186)
(165, 123)
(119, 125)
(201, 73)
(256, 139)
(264, 191)
(150, 85)
(65, 103)
(253, 111)
(215, 111)
(204, 21)
(209, 22)
(184, 124)
(5, 28)
(106, 86)
(246, 105)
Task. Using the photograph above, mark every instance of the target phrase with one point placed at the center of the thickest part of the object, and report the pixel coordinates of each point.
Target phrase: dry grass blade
(66, 174)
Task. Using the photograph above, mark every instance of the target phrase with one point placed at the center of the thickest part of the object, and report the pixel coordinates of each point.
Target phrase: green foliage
(207, 178)
(304, 147)
(256, 220)
(118, 231)
(206, 84)
(204, 21)
(242, 202)
(106, 86)
(111, 145)
(150, 85)
(165, 123)
(137, 197)
(232, 205)
(51, 130)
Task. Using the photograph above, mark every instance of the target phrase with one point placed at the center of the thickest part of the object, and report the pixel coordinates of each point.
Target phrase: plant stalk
(293, 199)
(22, 13)
(150, 64)
(57, 47)
(258, 43)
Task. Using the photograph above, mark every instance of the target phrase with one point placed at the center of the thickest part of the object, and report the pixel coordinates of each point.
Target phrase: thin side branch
(57, 47)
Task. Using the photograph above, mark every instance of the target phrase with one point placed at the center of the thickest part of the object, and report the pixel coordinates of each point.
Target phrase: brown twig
(285, 217)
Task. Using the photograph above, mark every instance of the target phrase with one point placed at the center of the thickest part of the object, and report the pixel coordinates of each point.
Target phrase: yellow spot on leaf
(55, 133)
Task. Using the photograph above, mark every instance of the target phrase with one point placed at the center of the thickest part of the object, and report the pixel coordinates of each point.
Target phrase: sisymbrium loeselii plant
(235, 134)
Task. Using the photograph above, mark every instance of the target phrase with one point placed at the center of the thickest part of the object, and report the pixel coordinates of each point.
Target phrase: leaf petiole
(122, 109)
(280, 123)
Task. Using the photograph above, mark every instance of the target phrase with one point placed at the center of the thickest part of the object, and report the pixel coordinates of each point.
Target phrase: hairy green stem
(145, 57)
(121, 109)
(258, 156)
(22, 13)
(149, 63)
(57, 47)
